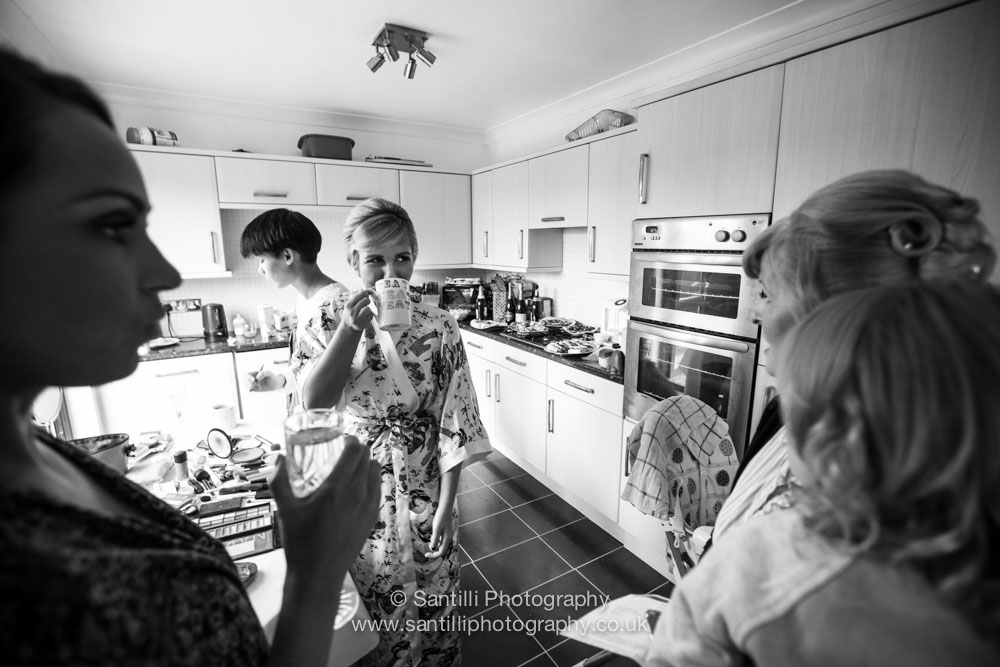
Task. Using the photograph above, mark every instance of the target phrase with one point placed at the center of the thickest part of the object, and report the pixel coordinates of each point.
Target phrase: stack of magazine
(397, 160)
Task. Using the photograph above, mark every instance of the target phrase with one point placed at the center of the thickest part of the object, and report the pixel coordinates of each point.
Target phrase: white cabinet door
(172, 395)
(184, 221)
(582, 448)
(647, 531)
(520, 415)
(511, 243)
(612, 201)
(440, 206)
(920, 96)
(482, 217)
(482, 372)
(251, 181)
(342, 185)
(262, 407)
(558, 189)
(712, 151)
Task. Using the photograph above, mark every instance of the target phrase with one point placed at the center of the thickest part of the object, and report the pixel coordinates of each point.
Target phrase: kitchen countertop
(588, 364)
(193, 347)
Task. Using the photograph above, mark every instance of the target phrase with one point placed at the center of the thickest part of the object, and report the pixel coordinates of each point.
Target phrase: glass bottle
(481, 310)
(520, 313)
(509, 315)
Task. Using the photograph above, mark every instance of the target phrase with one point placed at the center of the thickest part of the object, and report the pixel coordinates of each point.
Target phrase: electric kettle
(213, 319)
(615, 319)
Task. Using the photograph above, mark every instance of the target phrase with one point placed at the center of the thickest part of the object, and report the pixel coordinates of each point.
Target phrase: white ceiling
(498, 60)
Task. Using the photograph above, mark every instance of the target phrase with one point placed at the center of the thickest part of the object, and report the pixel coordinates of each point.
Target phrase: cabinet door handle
(281, 362)
(515, 361)
(215, 254)
(591, 241)
(643, 161)
(579, 387)
(190, 371)
(496, 387)
(488, 383)
(520, 244)
(263, 193)
(357, 197)
(471, 344)
(552, 416)
(554, 219)
(627, 470)
(486, 243)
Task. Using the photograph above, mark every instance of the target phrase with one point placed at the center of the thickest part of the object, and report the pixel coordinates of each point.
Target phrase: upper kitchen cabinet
(482, 216)
(344, 185)
(440, 206)
(557, 189)
(511, 244)
(611, 204)
(711, 151)
(275, 182)
(184, 221)
(921, 96)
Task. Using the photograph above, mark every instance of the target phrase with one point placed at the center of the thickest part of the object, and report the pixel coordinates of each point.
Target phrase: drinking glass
(313, 443)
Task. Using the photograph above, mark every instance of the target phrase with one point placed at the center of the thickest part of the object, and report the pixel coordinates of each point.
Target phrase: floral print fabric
(415, 439)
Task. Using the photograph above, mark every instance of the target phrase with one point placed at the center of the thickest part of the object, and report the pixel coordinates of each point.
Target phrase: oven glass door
(662, 362)
(702, 291)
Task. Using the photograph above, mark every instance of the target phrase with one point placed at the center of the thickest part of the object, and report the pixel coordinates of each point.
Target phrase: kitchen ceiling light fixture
(394, 39)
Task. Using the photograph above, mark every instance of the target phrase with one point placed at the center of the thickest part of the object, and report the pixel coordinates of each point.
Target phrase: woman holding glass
(408, 395)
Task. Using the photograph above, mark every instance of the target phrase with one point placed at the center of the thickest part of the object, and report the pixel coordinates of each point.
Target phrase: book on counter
(384, 159)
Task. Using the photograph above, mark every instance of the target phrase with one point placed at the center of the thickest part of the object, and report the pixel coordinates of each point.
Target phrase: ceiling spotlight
(426, 56)
(392, 40)
(376, 61)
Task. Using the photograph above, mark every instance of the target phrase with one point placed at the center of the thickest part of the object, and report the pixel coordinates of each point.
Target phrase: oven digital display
(652, 229)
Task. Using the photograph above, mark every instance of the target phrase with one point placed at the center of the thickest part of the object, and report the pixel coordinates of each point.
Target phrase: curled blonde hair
(891, 399)
(376, 222)
(873, 228)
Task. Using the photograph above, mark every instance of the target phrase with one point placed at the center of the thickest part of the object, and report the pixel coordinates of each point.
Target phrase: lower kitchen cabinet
(478, 350)
(262, 407)
(584, 436)
(172, 395)
(520, 404)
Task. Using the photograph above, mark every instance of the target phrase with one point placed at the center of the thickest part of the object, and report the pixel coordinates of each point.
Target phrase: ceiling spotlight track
(394, 39)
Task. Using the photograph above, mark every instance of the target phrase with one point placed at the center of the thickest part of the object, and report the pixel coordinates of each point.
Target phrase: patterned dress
(418, 427)
(79, 587)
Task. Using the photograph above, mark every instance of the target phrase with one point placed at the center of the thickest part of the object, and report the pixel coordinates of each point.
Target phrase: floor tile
(666, 590)
(522, 567)
(562, 599)
(581, 542)
(542, 660)
(468, 481)
(571, 652)
(621, 573)
(497, 470)
(486, 536)
(478, 503)
(548, 513)
(474, 589)
(487, 642)
(520, 490)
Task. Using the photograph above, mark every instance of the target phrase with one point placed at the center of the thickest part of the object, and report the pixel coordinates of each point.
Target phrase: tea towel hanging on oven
(681, 458)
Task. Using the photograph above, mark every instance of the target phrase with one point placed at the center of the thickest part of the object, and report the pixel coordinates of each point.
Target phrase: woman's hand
(264, 380)
(357, 313)
(444, 532)
(324, 531)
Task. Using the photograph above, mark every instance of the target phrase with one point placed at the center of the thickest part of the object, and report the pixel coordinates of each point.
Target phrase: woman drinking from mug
(408, 395)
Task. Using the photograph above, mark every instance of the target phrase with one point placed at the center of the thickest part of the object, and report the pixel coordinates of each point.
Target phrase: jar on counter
(239, 325)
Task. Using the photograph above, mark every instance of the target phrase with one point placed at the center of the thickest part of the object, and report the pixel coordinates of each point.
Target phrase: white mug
(392, 303)
(225, 415)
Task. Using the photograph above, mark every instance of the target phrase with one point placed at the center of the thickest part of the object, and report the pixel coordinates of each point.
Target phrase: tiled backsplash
(575, 293)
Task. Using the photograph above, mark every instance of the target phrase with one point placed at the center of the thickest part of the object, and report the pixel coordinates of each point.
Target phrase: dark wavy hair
(30, 92)
(273, 231)
(892, 401)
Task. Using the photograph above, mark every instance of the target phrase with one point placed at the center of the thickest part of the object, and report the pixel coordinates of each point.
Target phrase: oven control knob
(739, 235)
(722, 236)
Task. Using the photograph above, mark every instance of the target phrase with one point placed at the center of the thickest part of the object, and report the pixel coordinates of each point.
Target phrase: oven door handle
(675, 336)
(688, 259)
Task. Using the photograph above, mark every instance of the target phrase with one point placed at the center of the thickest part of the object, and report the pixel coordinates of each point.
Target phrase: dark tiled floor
(523, 545)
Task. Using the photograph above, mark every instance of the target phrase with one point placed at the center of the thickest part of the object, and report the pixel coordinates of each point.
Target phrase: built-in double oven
(691, 316)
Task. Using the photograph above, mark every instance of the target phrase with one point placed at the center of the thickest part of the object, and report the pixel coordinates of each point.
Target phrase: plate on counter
(556, 322)
(578, 329)
(487, 325)
(157, 343)
(571, 348)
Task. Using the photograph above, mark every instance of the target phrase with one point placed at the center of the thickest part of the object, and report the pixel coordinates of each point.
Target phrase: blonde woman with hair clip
(408, 396)
(891, 553)
(867, 229)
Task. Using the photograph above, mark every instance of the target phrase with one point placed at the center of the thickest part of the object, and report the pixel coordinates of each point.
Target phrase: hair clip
(915, 237)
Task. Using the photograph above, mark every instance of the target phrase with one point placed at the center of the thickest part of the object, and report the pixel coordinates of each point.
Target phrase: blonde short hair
(892, 400)
(376, 222)
(872, 228)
